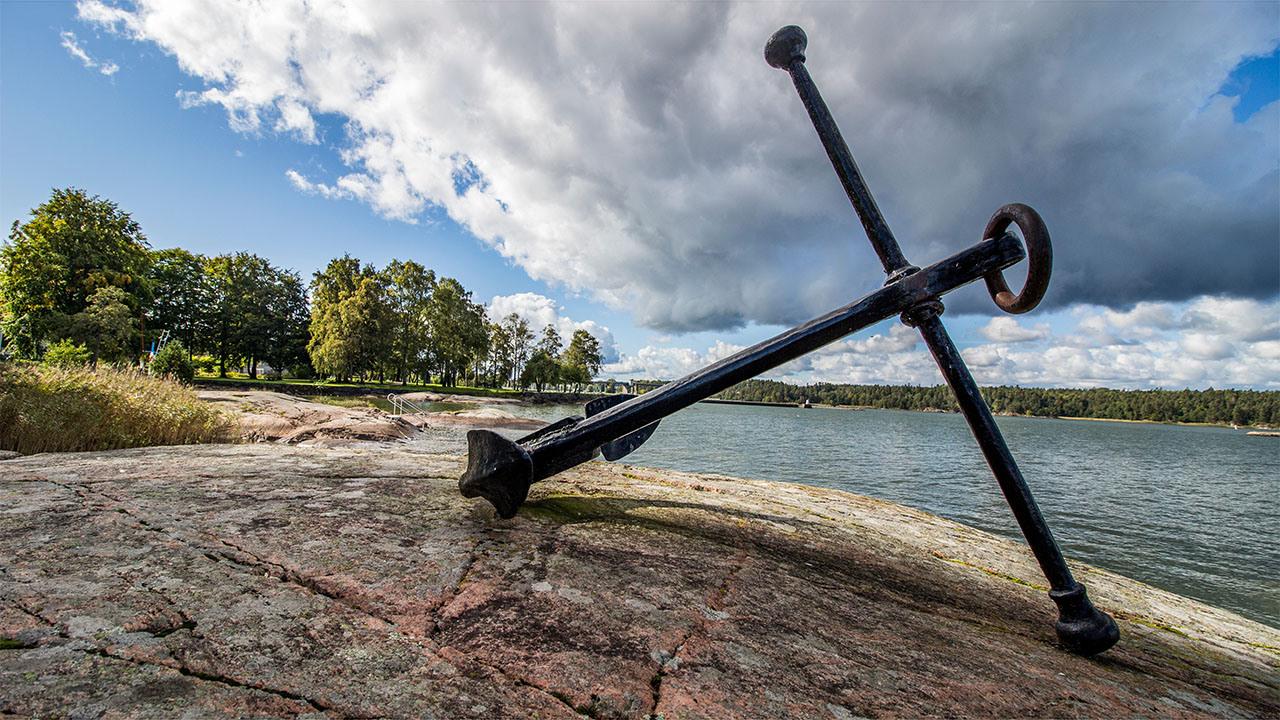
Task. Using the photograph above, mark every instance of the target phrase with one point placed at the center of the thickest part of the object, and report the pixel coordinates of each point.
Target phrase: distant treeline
(1242, 407)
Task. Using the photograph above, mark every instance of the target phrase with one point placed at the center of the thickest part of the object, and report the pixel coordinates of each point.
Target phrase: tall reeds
(51, 409)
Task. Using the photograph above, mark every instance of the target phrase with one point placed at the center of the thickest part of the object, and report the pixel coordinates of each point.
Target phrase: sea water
(1193, 510)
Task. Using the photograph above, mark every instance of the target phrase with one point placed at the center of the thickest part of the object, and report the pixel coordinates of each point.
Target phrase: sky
(638, 171)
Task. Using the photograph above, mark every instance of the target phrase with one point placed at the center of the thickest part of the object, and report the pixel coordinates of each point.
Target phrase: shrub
(205, 364)
(67, 354)
(172, 362)
(52, 409)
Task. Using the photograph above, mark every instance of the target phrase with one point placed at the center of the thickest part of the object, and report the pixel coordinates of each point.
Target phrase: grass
(320, 386)
(47, 409)
(382, 403)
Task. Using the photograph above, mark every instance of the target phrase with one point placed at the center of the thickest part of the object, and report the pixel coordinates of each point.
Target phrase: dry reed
(49, 409)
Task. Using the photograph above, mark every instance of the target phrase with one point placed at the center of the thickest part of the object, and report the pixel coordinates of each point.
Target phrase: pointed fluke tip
(786, 46)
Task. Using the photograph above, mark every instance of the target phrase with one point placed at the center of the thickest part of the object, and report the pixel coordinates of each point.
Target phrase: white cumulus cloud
(1008, 330)
(645, 153)
(667, 363)
(540, 311)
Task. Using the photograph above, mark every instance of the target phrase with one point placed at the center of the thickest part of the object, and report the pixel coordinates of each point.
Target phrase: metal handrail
(403, 406)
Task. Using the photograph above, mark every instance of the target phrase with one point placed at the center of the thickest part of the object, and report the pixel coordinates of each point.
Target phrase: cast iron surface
(501, 470)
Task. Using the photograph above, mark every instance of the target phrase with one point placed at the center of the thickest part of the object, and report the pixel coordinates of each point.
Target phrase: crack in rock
(277, 570)
(241, 557)
(670, 662)
(227, 681)
(245, 558)
(181, 667)
(451, 594)
(517, 680)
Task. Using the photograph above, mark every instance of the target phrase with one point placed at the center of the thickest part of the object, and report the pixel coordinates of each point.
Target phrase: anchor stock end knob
(1082, 628)
(786, 46)
(498, 470)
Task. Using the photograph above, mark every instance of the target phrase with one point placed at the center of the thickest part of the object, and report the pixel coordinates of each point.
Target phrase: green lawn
(313, 387)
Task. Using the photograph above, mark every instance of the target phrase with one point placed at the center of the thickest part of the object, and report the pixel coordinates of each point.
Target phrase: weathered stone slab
(273, 581)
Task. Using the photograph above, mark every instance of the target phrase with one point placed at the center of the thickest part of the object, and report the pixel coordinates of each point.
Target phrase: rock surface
(277, 581)
(266, 416)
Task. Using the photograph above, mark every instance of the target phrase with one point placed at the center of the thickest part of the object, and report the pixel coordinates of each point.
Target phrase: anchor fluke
(627, 444)
(498, 470)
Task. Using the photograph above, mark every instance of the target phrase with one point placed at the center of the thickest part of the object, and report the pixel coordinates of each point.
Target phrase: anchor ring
(1039, 258)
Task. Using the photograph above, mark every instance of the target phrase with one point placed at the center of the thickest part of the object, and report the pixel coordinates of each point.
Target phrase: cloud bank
(1211, 341)
(648, 156)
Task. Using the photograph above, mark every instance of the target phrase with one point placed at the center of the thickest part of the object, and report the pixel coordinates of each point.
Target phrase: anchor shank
(893, 299)
(502, 471)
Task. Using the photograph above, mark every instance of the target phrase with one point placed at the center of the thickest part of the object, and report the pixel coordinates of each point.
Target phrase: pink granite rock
(274, 581)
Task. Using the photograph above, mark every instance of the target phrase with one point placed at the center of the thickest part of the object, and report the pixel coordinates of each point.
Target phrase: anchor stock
(501, 470)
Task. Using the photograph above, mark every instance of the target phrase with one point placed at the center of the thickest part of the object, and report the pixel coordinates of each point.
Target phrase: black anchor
(501, 470)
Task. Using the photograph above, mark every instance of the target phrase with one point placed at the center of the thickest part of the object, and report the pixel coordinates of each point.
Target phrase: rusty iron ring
(1039, 258)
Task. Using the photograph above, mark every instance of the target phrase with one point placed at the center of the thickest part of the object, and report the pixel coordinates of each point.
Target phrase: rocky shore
(267, 416)
(269, 580)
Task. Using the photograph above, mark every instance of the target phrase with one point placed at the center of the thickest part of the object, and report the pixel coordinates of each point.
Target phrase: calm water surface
(1193, 510)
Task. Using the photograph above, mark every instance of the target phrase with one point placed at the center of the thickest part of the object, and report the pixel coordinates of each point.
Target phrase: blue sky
(194, 181)
(191, 181)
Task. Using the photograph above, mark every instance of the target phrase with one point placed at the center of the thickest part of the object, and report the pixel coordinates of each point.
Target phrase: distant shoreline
(480, 394)
(936, 411)
(1226, 426)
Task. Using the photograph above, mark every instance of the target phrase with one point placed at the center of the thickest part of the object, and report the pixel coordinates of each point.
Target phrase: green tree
(581, 360)
(255, 313)
(173, 361)
(499, 361)
(232, 308)
(520, 343)
(256, 295)
(289, 317)
(332, 352)
(73, 246)
(459, 331)
(540, 371)
(106, 326)
(409, 287)
(364, 318)
(180, 296)
(550, 342)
